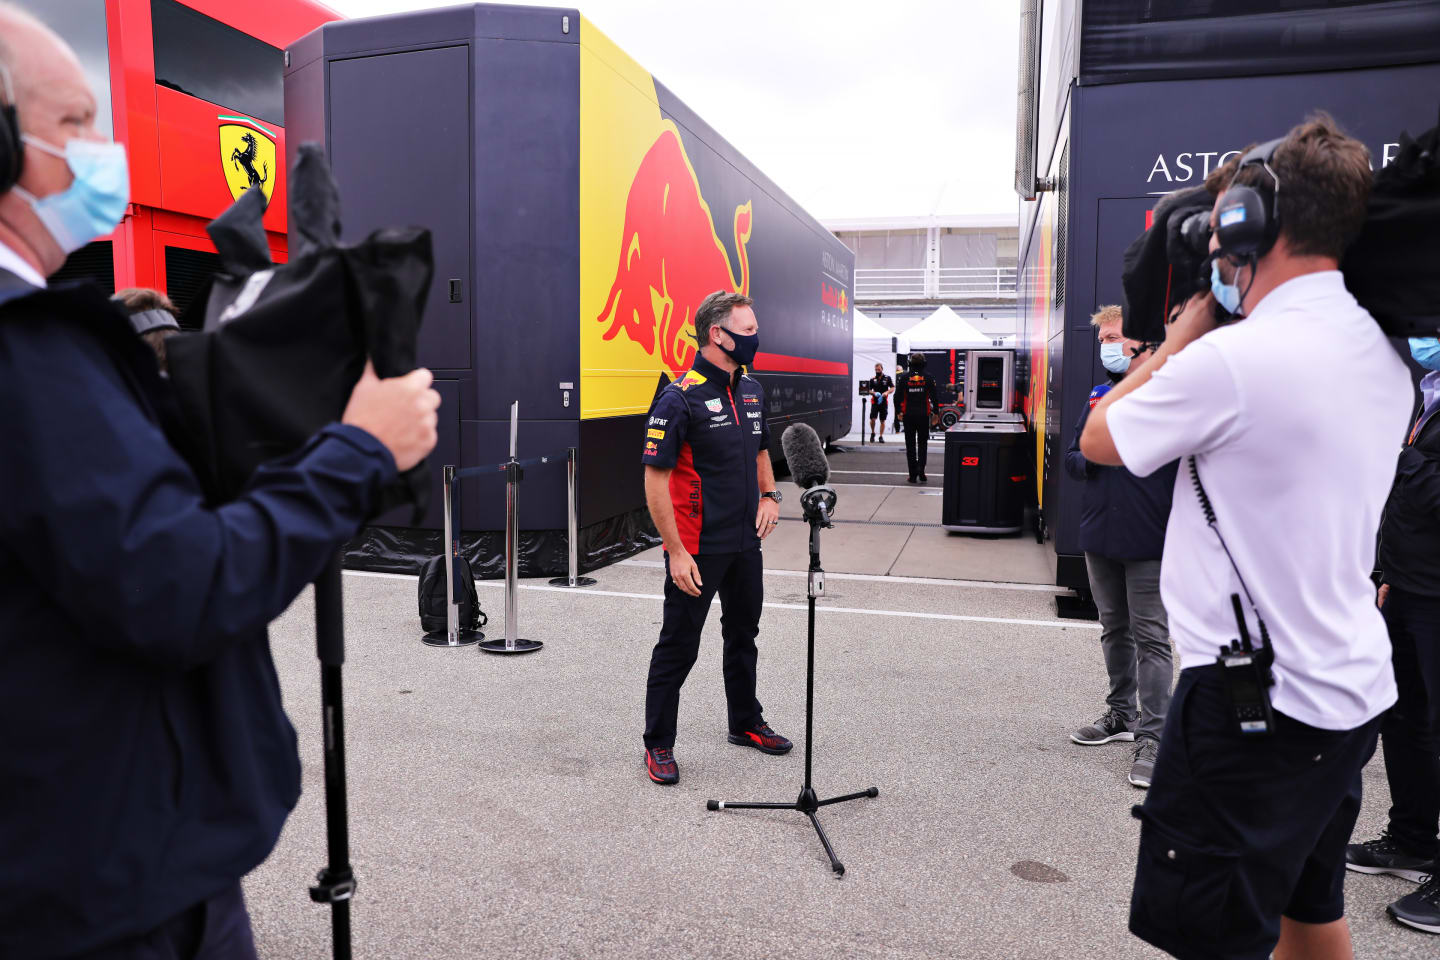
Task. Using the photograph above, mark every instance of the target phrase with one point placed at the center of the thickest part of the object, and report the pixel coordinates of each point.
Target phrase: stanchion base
(579, 582)
(521, 646)
(441, 638)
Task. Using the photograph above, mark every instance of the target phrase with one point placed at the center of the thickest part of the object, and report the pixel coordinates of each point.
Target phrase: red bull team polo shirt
(710, 427)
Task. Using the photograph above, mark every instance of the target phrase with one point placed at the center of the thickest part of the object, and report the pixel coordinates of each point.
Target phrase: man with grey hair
(711, 492)
(148, 762)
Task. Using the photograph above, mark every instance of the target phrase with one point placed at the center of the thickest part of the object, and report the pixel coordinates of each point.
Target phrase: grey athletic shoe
(1420, 909)
(1110, 727)
(1144, 766)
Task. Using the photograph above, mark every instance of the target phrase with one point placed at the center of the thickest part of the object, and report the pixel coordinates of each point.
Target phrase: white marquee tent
(947, 330)
(873, 344)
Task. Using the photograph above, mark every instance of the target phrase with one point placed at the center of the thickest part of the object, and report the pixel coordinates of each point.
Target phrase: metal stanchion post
(572, 532)
(453, 635)
(512, 642)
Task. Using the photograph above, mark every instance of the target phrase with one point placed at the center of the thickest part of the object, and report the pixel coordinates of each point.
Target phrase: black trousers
(917, 445)
(214, 929)
(739, 580)
(1411, 729)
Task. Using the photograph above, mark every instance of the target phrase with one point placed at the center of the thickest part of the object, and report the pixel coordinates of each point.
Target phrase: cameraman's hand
(1380, 597)
(685, 572)
(1196, 320)
(399, 412)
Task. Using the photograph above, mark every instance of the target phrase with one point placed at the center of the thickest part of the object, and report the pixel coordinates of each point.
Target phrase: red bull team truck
(580, 213)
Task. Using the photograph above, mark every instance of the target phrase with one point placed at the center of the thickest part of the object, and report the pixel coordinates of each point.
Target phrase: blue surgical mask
(1426, 351)
(93, 205)
(1226, 294)
(1114, 358)
(745, 347)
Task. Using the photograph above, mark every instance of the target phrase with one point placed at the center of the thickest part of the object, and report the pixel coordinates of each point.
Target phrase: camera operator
(880, 388)
(1409, 562)
(1242, 843)
(148, 762)
(1122, 534)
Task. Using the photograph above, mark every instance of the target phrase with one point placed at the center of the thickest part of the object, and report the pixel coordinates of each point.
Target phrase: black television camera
(1389, 268)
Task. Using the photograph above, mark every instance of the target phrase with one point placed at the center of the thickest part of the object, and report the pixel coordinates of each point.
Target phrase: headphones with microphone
(1247, 219)
(12, 150)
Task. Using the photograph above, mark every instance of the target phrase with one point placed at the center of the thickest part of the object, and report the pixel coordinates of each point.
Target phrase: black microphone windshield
(805, 455)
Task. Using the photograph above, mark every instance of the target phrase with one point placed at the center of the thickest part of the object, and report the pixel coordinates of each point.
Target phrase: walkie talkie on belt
(1246, 670)
(1248, 679)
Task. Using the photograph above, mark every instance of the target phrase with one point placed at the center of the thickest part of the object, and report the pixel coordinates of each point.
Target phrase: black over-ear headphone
(12, 151)
(1245, 224)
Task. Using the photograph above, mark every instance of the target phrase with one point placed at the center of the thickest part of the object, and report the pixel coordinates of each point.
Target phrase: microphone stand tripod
(818, 502)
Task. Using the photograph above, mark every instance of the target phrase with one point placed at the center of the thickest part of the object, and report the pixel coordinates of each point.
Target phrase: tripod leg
(727, 805)
(872, 792)
(835, 865)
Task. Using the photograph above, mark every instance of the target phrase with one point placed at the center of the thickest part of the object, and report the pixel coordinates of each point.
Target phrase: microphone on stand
(810, 471)
(808, 466)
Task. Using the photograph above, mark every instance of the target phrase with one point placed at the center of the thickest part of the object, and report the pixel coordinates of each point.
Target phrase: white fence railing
(918, 283)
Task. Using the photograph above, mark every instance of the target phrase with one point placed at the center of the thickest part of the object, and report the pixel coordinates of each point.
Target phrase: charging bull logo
(670, 257)
(247, 157)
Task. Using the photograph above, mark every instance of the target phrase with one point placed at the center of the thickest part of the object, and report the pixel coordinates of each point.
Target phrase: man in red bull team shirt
(711, 492)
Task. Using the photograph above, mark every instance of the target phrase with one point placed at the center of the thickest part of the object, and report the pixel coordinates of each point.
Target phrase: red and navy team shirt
(918, 400)
(709, 426)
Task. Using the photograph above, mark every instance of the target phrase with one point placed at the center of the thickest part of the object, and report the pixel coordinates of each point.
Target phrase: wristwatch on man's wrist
(773, 495)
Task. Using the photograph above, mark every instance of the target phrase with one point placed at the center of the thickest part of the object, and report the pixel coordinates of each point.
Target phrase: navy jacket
(1409, 554)
(1122, 516)
(146, 762)
(710, 427)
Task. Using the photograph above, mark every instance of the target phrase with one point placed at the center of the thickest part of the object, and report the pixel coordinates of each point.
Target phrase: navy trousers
(214, 929)
(738, 579)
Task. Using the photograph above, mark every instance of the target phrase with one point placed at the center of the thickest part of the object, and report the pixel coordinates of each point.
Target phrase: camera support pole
(817, 513)
(513, 474)
(572, 531)
(335, 884)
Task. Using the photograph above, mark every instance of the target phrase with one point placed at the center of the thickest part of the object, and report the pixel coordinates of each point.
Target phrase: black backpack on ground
(433, 599)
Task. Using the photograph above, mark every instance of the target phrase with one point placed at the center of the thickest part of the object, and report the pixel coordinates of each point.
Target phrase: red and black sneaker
(660, 764)
(762, 738)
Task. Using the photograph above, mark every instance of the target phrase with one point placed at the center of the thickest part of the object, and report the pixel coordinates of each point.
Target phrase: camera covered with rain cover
(1389, 268)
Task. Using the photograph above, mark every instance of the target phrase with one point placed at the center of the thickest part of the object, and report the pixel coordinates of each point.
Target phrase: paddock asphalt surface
(499, 806)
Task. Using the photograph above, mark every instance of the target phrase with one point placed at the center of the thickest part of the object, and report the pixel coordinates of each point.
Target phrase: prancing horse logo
(246, 159)
(247, 156)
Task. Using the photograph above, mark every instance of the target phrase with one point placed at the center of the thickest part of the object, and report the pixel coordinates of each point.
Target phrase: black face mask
(745, 347)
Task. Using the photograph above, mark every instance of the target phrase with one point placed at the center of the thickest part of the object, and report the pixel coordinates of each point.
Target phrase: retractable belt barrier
(514, 471)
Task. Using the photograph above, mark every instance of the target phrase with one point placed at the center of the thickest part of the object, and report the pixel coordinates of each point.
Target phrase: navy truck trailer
(1123, 101)
(580, 214)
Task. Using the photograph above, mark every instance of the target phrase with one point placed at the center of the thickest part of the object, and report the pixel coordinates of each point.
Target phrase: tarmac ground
(499, 806)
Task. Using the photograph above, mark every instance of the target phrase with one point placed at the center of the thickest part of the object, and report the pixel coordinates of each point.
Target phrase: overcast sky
(856, 108)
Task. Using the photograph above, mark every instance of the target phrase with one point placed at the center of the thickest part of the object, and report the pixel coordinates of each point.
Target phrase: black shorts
(1236, 832)
(879, 409)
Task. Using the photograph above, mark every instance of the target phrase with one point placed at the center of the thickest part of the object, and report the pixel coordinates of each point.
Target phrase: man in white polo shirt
(1242, 844)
